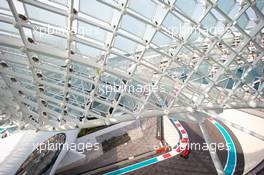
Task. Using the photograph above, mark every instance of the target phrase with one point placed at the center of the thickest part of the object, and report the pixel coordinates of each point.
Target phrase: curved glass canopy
(79, 63)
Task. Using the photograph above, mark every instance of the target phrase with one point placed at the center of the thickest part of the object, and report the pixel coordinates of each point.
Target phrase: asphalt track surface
(199, 161)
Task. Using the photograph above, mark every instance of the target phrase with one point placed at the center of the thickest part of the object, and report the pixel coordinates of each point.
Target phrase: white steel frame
(252, 99)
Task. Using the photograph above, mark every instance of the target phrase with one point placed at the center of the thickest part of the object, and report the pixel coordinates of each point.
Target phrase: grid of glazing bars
(58, 58)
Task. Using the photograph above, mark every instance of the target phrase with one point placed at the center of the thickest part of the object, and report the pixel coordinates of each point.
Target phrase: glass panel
(4, 4)
(90, 31)
(137, 89)
(99, 108)
(96, 9)
(174, 24)
(83, 71)
(119, 63)
(8, 29)
(141, 8)
(209, 21)
(86, 50)
(50, 40)
(125, 45)
(55, 93)
(111, 79)
(45, 16)
(108, 93)
(243, 21)
(186, 7)
(147, 71)
(133, 25)
(204, 68)
(129, 103)
(162, 40)
(226, 5)
(260, 5)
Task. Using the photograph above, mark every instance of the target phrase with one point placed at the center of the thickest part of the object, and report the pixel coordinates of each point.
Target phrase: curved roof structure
(67, 64)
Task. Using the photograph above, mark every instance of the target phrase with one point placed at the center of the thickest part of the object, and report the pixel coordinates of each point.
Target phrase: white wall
(171, 135)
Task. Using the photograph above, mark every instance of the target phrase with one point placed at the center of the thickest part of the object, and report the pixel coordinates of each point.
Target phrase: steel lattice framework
(59, 58)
